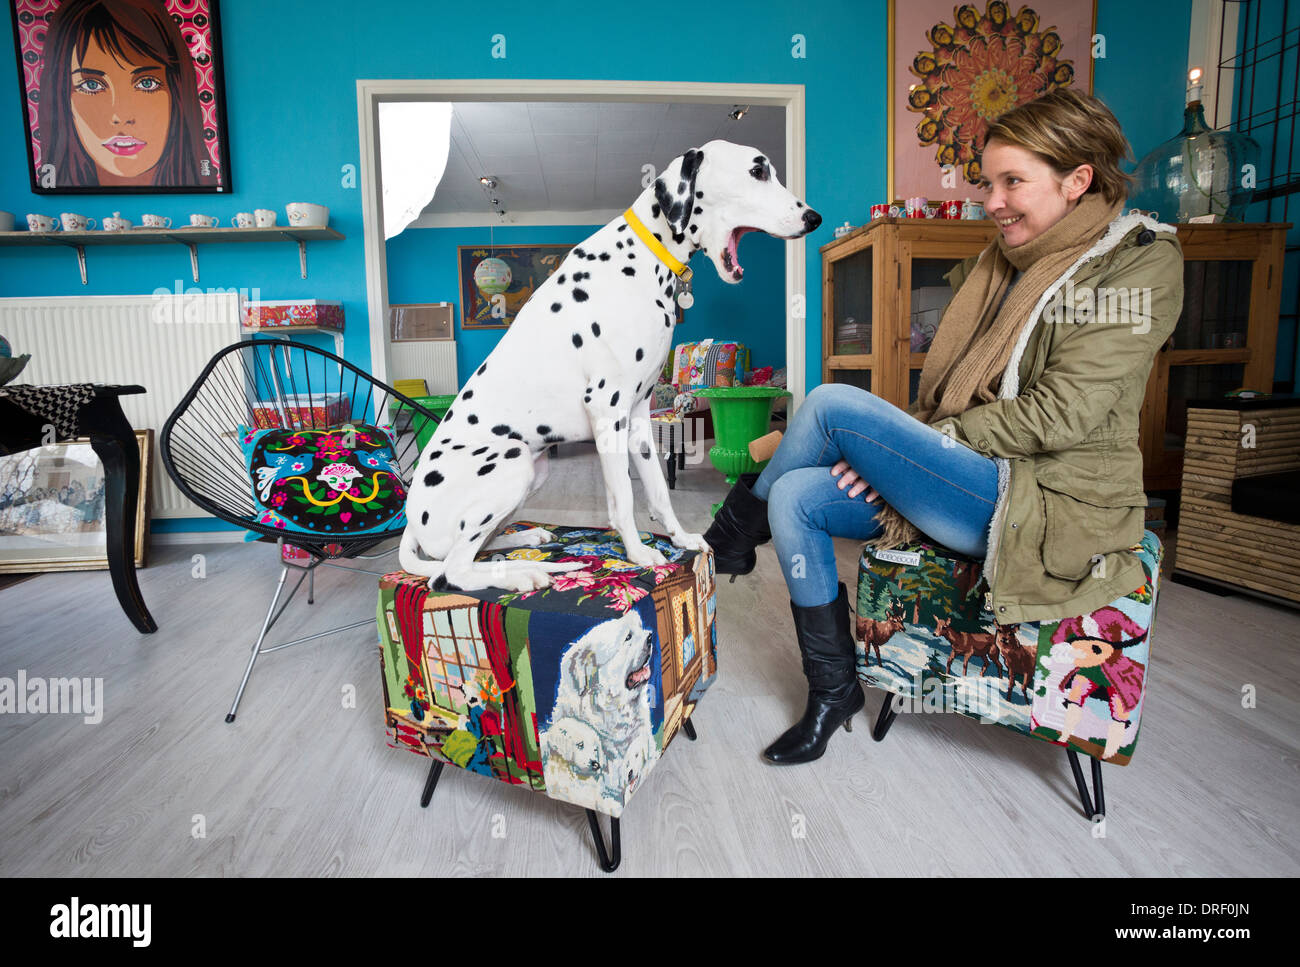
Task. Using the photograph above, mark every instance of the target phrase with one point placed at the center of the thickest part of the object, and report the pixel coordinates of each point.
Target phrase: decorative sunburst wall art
(954, 69)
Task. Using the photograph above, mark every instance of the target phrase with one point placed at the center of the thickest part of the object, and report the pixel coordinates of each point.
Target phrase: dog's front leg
(609, 412)
(641, 448)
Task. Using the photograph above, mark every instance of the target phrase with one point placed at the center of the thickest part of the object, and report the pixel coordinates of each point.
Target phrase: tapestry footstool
(574, 690)
(925, 633)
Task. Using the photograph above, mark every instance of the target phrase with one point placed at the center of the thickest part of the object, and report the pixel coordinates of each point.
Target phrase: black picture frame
(195, 162)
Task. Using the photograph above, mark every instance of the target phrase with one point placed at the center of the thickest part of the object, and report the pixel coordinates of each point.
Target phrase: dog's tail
(409, 557)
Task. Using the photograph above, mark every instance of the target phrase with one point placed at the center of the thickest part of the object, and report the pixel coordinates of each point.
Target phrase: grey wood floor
(304, 785)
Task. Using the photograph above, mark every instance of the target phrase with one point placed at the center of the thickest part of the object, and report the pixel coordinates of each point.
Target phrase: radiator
(161, 342)
(432, 360)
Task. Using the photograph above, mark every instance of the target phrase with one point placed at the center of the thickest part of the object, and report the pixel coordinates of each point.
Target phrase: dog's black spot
(604, 256)
(491, 456)
(613, 400)
(668, 289)
(556, 307)
(432, 478)
(560, 279)
(595, 329)
(485, 469)
(659, 303)
(695, 228)
(579, 252)
(586, 399)
(699, 194)
(681, 187)
(512, 453)
(623, 227)
(631, 255)
(462, 525)
(552, 438)
(645, 451)
(446, 440)
(579, 295)
(618, 244)
(668, 323)
(459, 446)
(435, 455)
(467, 394)
(678, 237)
(799, 204)
(447, 416)
(472, 418)
(543, 429)
(514, 436)
(698, 210)
(640, 354)
(638, 388)
(654, 210)
(577, 340)
(480, 370)
(618, 424)
(501, 429)
(424, 518)
(485, 520)
(591, 258)
(600, 385)
(650, 392)
(658, 236)
(477, 536)
(478, 451)
(628, 270)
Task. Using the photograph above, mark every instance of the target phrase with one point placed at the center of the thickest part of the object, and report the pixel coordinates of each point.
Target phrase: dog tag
(684, 297)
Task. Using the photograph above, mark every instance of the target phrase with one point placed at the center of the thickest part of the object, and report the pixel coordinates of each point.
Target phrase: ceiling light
(488, 181)
(739, 112)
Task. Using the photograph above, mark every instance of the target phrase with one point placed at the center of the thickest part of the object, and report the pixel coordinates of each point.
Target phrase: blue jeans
(943, 487)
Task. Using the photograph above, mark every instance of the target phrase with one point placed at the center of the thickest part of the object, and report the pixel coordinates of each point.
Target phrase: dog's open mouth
(730, 261)
(639, 677)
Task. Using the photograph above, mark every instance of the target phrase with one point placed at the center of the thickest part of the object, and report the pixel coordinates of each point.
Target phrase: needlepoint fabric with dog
(573, 690)
(926, 634)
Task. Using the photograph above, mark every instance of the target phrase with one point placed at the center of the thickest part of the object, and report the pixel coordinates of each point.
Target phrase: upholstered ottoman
(574, 690)
(926, 635)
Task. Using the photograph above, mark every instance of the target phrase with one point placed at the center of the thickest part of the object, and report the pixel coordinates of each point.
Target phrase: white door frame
(370, 93)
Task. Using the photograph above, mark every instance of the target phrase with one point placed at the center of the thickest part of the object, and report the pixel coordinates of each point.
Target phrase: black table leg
(113, 440)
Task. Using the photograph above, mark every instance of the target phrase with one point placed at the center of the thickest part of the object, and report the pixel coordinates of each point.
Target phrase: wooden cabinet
(883, 293)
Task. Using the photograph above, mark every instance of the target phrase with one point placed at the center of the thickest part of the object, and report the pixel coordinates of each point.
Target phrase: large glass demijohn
(1199, 171)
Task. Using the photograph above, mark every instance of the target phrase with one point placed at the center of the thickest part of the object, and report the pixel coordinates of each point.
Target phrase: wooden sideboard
(883, 293)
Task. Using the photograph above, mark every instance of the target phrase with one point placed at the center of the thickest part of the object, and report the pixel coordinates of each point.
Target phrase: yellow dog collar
(679, 269)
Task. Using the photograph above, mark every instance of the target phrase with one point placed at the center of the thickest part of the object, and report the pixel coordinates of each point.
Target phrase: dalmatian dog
(604, 679)
(579, 363)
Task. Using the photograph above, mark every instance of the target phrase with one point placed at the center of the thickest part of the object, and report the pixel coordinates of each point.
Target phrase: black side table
(113, 440)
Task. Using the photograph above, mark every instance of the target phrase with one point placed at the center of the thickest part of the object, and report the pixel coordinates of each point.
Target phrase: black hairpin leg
(1097, 789)
(607, 863)
(885, 718)
(689, 728)
(435, 770)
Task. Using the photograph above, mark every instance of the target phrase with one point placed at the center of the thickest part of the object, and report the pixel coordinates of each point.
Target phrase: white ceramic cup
(72, 222)
(42, 223)
(303, 213)
(203, 221)
(265, 217)
(242, 220)
(155, 221)
(116, 223)
(6, 221)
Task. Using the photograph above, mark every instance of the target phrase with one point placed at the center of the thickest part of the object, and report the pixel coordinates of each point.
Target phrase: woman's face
(1026, 197)
(121, 113)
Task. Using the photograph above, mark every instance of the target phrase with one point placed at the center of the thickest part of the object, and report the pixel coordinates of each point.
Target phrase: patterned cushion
(338, 481)
(574, 690)
(926, 634)
(708, 363)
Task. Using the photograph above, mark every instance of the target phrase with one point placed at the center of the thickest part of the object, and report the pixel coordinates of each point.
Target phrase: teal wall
(422, 268)
(291, 72)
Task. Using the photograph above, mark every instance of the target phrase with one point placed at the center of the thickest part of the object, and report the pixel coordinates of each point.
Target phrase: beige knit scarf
(973, 345)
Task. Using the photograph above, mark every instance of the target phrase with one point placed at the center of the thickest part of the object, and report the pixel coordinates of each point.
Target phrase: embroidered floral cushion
(338, 481)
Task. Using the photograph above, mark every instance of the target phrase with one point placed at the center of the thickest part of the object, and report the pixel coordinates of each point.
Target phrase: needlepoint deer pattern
(925, 633)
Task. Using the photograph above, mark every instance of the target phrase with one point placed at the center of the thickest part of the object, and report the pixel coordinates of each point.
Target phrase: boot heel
(848, 724)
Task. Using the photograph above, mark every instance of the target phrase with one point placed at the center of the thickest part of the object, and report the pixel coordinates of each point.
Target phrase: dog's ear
(675, 191)
(580, 667)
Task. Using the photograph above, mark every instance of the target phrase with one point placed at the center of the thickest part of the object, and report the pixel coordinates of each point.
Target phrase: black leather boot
(830, 665)
(739, 526)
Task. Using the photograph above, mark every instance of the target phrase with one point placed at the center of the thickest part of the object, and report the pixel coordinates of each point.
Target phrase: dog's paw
(644, 556)
(692, 542)
(535, 537)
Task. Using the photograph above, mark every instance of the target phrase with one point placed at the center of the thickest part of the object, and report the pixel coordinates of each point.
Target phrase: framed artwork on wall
(122, 96)
(952, 69)
(496, 280)
(52, 508)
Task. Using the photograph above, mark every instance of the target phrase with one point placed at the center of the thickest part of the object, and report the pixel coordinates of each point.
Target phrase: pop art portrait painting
(122, 96)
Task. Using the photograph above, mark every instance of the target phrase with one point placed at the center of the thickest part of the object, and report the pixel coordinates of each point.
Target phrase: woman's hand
(851, 479)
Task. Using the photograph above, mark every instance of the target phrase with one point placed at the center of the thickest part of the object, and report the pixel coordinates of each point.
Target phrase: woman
(119, 100)
(1022, 446)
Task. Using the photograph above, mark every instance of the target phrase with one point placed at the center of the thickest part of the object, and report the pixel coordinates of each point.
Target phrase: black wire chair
(263, 383)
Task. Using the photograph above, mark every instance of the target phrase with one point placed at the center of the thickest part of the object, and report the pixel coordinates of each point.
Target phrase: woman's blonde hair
(1067, 128)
